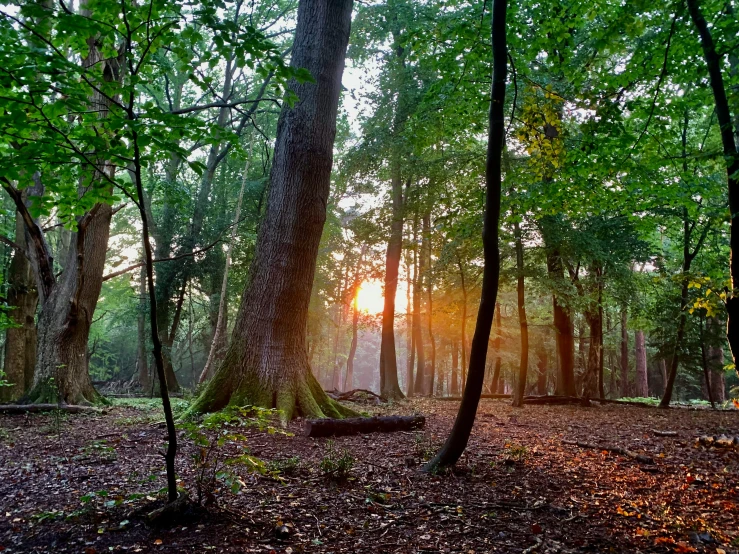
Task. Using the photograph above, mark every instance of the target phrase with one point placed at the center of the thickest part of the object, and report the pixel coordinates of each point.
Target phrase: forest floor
(76, 484)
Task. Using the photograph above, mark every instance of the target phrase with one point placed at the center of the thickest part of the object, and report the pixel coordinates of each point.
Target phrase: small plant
(336, 465)
(217, 433)
(102, 449)
(285, 466)
(516, 451)
(424, 448)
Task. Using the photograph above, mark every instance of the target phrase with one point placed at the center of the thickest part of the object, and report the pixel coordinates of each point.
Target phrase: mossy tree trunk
(267, 362)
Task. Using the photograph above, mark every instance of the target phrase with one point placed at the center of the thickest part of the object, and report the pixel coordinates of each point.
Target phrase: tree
(267, 361)
(457, 440)
(726, 125)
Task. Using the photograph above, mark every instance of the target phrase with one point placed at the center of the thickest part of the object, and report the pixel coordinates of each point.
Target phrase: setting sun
(370, 298)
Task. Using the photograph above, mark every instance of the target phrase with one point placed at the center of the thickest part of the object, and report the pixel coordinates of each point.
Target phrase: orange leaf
(158, 541)
(684, 547)
(664, 540)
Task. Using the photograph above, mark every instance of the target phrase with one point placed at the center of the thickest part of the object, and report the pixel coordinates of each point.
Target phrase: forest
(369, 276)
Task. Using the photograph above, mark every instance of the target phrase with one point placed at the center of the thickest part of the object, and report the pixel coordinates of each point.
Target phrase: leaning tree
(267, 362)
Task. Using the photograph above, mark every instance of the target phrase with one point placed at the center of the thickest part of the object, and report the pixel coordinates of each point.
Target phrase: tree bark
(724, 117)
(463, 322)
(640, 351)
(267, 361)
(716, 366)
(454, 386)
(497, 382)
(431, 373)
(624, 353)
(410, 340)
(418, 387)
(68, 303)
(522, 321)
(218, 346)
(459, 436)
(20, 341)
(564, 329)
(349, 380)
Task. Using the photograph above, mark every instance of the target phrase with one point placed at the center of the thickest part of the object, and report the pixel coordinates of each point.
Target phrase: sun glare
(370, 298)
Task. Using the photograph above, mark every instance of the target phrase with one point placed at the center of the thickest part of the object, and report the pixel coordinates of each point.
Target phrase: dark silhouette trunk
(141, 354)
(418, 386)
(459, 436)
(267, 361)
(590, 388)
(410, 343)
(522, 321)
(728, 141)
(564, 329)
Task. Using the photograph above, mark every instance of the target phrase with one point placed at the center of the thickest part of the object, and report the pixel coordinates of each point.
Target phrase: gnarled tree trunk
(267, 361)
(20, 341)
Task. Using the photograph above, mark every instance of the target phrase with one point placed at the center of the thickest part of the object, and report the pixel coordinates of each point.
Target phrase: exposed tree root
(303, 396)
(336, 395)
(39, 408)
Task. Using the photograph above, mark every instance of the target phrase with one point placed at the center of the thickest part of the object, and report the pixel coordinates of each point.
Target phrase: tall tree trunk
(410, 344)
(563, 328)
(218, 346)
(68, 303)
(716, 366)
(460, 434)
(349, 380)
(590, 378)
(640, 351)
(141, 354)
(431, 377)
(389, 386)
(541, 365)
(20, 341)
(624, 353)
(267, 361)
(707, 389)
(724, 117)
(418, 387)
(522, 321)
(463, 323)
(497, 383)
(454, 386)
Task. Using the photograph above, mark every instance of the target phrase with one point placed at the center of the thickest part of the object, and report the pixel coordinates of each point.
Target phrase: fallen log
(359, 425)
(336, 395)
(641, 458)
(40, 408)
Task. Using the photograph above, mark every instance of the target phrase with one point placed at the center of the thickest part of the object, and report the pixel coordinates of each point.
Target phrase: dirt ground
(79, 483)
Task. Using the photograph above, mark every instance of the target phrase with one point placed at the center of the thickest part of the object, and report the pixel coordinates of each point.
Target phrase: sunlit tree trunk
(418, 387)
(349, 380)
(430, 378)
(267, 361)
(454, 385)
